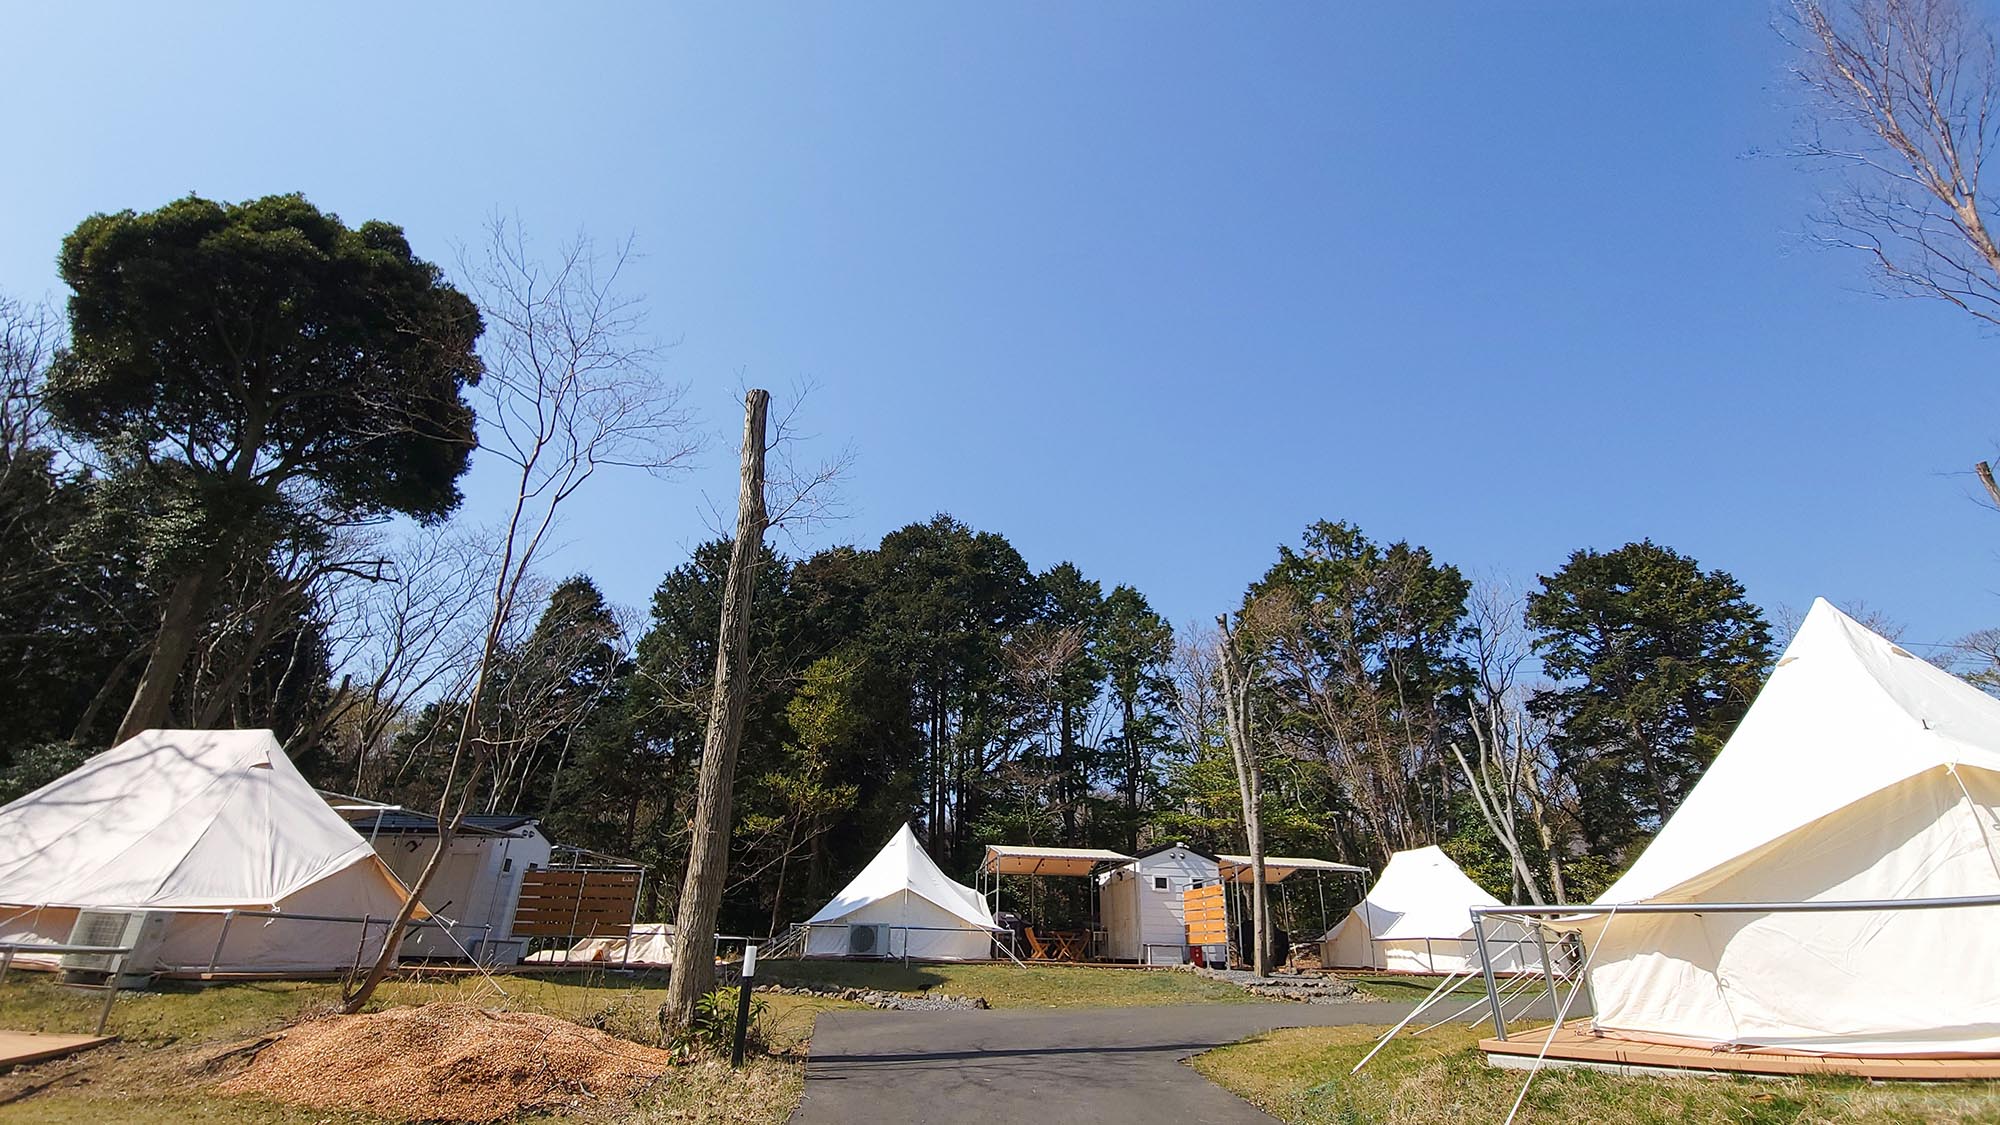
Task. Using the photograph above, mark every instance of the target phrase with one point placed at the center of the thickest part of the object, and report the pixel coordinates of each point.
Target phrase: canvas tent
(650, 944)
(902, 905)
(196, 824)
(1860, 773)
(1417, 919)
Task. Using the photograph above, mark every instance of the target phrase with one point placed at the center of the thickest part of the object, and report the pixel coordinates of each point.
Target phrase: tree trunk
(1497, 810)
(180, 621)
(392, 940)
(1250, 787)
(110, 687)
(708, 847)
(1133, 767)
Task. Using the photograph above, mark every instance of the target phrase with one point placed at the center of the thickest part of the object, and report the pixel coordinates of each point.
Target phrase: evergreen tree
(266, 372)
(1655, 660)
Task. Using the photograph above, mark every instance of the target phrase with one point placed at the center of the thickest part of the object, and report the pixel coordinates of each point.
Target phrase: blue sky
(1147, 287)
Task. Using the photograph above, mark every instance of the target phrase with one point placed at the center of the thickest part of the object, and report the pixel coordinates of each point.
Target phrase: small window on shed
(1159, 882)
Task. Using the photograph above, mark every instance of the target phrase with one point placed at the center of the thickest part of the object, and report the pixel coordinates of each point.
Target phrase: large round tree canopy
(266, 344)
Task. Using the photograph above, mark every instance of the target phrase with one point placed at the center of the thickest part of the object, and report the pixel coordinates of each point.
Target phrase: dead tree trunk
(708, 846)
(1250, 787)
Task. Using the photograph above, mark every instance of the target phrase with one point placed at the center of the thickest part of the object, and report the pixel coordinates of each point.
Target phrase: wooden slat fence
(576, 903)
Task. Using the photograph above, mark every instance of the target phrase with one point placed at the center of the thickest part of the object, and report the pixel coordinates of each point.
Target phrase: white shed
(477, 888)
(1141, 901)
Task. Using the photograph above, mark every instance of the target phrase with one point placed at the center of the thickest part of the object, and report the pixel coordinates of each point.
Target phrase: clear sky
(1148, 286)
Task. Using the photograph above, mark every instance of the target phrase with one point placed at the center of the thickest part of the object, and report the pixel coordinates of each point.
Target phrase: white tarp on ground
(929, 915)
(1417, 919)
(195, 821)
(1860, 772)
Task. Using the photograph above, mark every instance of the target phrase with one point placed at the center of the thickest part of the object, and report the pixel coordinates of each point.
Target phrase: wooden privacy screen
(1207, 922)
(576, 903)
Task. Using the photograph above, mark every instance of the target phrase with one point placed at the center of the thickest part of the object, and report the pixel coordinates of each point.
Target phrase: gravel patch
(875, 998)
(1298, 987)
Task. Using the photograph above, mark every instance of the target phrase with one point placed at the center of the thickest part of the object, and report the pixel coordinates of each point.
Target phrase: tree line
(229, 475)
(205, 448)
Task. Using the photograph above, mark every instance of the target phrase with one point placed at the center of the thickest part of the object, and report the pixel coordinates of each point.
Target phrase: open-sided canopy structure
(1860, 774)
(1023, 859)
(1278, 868)
(197, 823)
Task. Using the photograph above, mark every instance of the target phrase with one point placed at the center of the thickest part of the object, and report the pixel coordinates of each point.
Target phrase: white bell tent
(1417, 918)
(1861, 773)
(902, 905)
(196, 824)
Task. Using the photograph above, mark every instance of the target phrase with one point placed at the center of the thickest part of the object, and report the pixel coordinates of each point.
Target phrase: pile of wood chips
(451, 1062)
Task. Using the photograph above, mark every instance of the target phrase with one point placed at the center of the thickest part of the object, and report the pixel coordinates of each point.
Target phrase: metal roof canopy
(1278, 868)
(1022, 859)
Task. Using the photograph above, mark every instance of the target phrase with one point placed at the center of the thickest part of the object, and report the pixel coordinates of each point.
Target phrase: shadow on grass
(889, 976)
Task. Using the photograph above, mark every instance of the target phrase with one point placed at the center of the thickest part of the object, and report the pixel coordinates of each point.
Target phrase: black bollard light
(743, 1004)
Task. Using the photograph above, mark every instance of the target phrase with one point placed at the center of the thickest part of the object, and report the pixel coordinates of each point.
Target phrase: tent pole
(228, 916)
(1442, 988)
(1548, 973)
(1492, 993)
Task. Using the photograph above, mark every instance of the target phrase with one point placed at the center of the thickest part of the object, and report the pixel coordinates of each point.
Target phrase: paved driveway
(1078, 1066)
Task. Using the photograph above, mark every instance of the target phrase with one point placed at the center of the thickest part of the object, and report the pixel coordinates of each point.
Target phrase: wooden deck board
(1574, 1045)
(17, 1047)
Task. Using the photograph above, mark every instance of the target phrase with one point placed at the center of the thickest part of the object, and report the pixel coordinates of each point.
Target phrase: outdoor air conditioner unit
(139, 930)
(868, 939)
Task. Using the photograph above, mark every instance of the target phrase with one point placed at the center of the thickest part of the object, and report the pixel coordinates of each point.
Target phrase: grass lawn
(164, 1063)
(1013, 986)
(1300, 1075)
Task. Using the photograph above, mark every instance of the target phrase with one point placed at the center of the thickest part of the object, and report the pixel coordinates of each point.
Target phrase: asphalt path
(1043, 1066)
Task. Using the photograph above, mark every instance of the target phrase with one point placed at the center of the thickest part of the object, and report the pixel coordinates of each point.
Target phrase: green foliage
(1655, 661)
(32, 767)
(251, 377)
(324, 352)
(712, 1029)
(1363, 682)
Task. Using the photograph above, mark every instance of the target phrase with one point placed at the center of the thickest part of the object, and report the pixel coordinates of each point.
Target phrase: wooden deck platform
(1577, 1046)
(17, 1047)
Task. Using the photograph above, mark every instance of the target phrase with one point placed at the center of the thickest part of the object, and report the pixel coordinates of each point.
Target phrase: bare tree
(1905, 93)
(1235, 667)
(571, 386)
(29, 336)
(708, 851)
(401, 641)
(1511, 770)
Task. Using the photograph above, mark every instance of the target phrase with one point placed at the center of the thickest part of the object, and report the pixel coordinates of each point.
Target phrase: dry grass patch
(1300, 1075)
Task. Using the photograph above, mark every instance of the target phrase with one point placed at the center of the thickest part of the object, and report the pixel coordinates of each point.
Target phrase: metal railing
(1532, 915)
(117, 953)
(1001, 938)
(366, 922)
